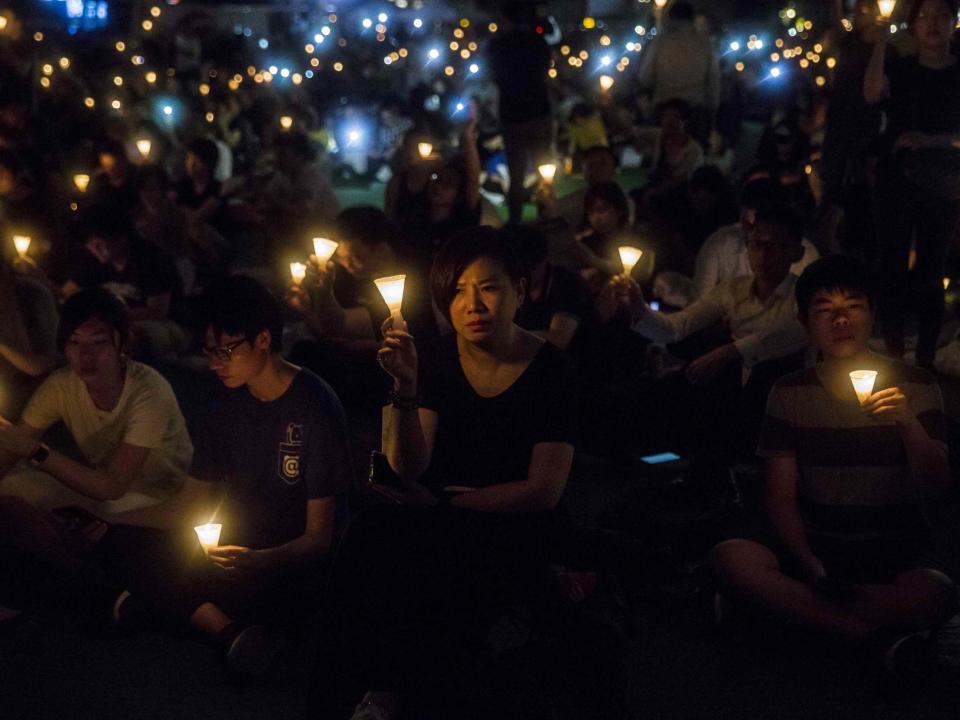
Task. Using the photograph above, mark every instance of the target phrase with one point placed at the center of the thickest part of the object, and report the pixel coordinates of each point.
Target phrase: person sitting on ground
(479, 435)
(724, 254)
(275, 441)
(122, 415)
(558, 301)
(28, 333)
(343, 309)
(199, 193)
(114, 257)
(674, 155)
(585, 130)
(113, 188)
(846, 481)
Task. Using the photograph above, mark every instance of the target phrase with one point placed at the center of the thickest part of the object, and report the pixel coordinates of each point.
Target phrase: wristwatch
(39, 455)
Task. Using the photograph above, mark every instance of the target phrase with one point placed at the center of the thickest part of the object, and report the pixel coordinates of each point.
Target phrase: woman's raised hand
(398, 356)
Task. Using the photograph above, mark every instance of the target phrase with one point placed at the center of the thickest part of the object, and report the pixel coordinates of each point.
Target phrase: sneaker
(251, 651)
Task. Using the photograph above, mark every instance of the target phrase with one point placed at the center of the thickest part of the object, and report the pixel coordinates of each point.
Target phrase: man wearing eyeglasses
(758, 314)
(274, 440)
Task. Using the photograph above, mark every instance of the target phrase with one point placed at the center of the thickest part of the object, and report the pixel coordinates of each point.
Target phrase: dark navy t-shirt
(272, 457)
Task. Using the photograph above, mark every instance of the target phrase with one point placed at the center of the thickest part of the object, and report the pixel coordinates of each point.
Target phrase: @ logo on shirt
(288, 457)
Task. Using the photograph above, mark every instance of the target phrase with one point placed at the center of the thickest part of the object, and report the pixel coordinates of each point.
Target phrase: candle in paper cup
(425, 149)
(209, 535)
(22, 244)
(606, 82)
(946, 283)
(548, 171)
(143, 147)
(391, 288)
(863, 381)
(81, 180)
(886, 8)
(629, 256)
(286, 122)
(324, 248)
(298, 271)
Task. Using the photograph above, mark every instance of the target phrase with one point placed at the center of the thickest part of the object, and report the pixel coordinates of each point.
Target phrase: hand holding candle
(209, 535)
(391, 288)
(863, 381)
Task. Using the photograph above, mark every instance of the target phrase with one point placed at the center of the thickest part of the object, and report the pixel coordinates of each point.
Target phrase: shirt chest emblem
(288, 455)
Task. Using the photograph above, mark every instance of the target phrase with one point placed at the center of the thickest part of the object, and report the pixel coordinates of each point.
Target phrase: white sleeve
(45, 407)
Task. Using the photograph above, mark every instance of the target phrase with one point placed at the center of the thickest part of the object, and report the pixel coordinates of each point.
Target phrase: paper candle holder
(548, 171)
(22, 244)
(143, 147)
(209, 535)
(298, 271)
(324, 249)
(629, 256)
(425, 149)
(391, 288)
(81, 180)
(863, 381)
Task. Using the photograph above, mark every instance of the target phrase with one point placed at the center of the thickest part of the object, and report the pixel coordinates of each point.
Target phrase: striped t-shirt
(854, 477)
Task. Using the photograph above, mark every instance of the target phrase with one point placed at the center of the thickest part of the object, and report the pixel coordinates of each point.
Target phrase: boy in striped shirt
(845, 481)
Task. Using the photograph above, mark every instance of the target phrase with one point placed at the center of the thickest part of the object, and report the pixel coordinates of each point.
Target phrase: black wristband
(404, 403)
(39, 455)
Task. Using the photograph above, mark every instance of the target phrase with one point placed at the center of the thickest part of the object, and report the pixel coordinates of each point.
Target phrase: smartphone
(660, 458)
(380, 471)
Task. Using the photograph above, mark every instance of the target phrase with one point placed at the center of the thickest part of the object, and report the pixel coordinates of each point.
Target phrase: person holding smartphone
(851, 552)
(479, 437)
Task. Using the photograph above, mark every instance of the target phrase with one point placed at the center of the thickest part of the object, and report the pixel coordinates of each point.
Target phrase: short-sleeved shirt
(147, 273)
(565, 292)
(922, 99)
(487, 441)
(146, 415)
(273, 457)
(854, 476)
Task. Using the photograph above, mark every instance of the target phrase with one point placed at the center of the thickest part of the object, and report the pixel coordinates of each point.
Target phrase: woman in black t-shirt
(918, 193)
(479, 434)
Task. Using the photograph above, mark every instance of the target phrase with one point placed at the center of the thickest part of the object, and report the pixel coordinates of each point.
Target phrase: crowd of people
(728, 330)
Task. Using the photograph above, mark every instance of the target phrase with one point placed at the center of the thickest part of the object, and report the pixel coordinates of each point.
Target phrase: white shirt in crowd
(723, 257)
(681, 63)
(761, 329)
(147, 415)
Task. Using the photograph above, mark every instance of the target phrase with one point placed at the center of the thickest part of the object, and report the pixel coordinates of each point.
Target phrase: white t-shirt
(147, 415)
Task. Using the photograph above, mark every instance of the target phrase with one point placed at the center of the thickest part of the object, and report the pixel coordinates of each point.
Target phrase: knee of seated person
(730, 558)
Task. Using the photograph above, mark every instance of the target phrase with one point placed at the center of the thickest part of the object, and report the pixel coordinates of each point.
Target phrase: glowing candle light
(425, 149)
(548, 171)
(324, 249)
(863, 381)
(209, 535)
(298, 271)
(629, 257)
(22, 244)
(81, 180)
(391, 288)
(886, 8)
(286, 122)
(144, 146)
(606, 82)
(946, 283)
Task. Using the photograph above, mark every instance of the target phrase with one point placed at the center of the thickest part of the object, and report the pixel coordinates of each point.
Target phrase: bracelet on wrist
(401, 402)
(39, 454)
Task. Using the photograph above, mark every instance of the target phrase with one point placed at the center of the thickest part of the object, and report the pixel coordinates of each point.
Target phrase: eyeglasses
(223, 353)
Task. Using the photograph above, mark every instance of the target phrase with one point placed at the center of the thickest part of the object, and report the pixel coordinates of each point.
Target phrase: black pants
(413, 591)
(908, 214)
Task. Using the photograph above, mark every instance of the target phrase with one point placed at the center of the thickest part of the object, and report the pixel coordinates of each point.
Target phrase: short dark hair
(833, 272)
(93, 303)
(240, 305)
(761, 193)
(915, 9)
(785, 217)
(365, 224)
(681, 10)
(207, 151)
(610, 193)
(464, 248)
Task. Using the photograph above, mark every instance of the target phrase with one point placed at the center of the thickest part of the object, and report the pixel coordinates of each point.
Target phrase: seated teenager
(724, 254)
(343, 310)
(114, 257)
(846, 480)
(558, 300)
(274, 440)
(479, 437)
